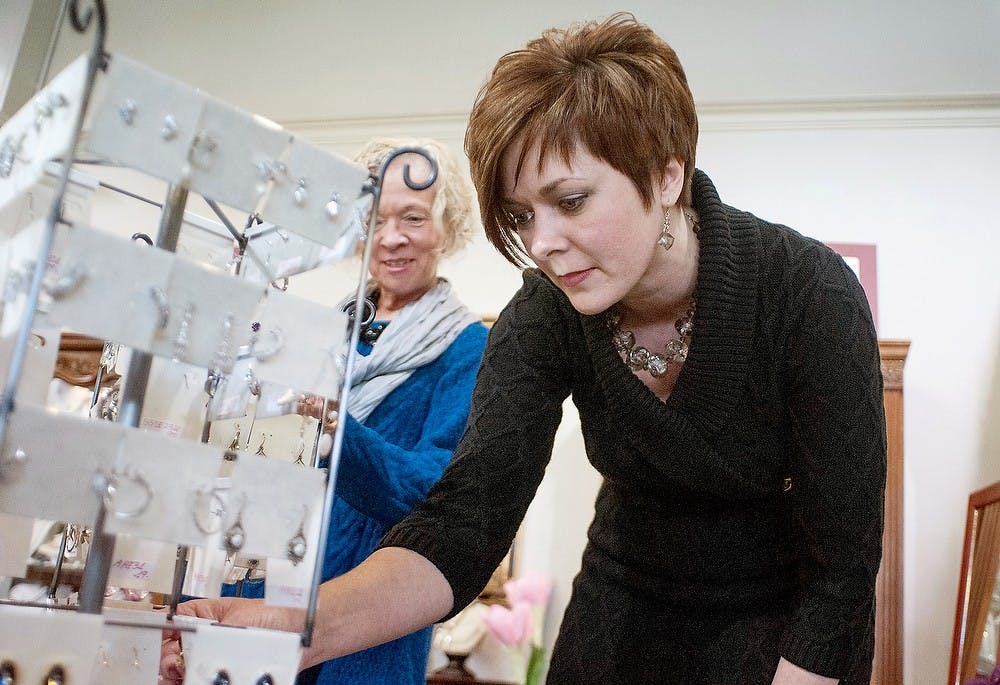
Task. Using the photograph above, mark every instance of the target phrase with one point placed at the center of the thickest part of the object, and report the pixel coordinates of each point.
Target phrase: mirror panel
(977, 615)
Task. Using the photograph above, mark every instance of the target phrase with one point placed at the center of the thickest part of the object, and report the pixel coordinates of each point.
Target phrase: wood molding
(893, 356)
(887, 668)
(821, 113)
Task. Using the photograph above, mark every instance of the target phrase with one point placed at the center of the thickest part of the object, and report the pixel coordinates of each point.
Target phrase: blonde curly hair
(455, 206)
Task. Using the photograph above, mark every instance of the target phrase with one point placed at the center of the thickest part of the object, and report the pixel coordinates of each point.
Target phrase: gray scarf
(418, 335)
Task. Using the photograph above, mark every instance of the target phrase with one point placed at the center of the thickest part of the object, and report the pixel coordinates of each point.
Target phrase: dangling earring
(235, 536)
(297, 545)
(666, 239)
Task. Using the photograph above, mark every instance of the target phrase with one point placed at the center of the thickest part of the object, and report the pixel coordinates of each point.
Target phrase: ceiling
(315, 60)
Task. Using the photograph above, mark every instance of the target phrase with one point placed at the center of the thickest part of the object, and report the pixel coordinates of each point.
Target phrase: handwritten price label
(135, 570)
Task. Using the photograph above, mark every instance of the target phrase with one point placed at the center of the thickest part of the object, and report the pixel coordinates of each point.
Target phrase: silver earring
(666, 238)
(235, 536)
(208, 500)
(181, 341)
(235, 444)
(297, 545)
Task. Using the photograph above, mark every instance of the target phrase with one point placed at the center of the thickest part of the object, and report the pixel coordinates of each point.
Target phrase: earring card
(178, 473)
(20, 255)
(244, 654)
(39, 363)
(288, 437)
(238, 156)
(273, 500)
(313, 341)
(274, 252)
(40, 131)
(36, 201)
(126, 654)
(175, 400)
(37, 641)
(140, 564)
(145, 120)
(210, 316)
(277, 400)
(49, 462)
(206, 569)
(289, 583)
(92, 274)
(317, 195)
(232, 394)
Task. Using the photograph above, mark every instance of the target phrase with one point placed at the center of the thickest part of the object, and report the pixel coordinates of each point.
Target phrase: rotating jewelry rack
(243, 332)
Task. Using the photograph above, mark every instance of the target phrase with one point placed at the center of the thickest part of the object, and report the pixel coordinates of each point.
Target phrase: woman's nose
(547, 237)
(390, 235)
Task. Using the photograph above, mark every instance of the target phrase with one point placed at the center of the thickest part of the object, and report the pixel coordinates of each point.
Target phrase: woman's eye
(522, 217)
(414, 219)
(573, 202)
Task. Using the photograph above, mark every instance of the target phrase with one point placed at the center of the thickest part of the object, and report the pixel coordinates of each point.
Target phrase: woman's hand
(790, 674)
(311, 405)
(229, 611)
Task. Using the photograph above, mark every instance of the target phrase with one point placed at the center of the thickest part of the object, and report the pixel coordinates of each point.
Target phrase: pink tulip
(509, 626)
(532, 588)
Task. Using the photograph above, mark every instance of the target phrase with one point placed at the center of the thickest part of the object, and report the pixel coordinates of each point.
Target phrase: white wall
(852, 122)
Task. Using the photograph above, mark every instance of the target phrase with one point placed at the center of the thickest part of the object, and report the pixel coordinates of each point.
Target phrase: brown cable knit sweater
(702, 565)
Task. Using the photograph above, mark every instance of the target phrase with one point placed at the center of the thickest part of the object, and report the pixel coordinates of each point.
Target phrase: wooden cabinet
(887, 668)
(443, 679)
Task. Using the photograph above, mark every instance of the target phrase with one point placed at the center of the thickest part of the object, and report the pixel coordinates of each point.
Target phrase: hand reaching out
(229, 611)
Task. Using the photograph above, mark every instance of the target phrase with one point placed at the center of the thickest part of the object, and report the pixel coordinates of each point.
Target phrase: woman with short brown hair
(726, 371)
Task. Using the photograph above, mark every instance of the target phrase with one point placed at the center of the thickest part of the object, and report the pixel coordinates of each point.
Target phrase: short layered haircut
(614, 87)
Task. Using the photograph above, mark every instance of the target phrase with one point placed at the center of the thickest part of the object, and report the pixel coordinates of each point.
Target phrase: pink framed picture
(860, 257)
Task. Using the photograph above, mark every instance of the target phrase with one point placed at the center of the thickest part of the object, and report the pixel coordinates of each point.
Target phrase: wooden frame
(978, 500)
(78, 361)
(860, 257)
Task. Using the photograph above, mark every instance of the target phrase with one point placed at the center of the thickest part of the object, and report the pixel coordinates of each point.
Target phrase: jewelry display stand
(255, 349)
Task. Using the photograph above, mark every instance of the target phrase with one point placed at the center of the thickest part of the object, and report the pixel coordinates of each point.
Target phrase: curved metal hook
(82, 23)
(423, 185)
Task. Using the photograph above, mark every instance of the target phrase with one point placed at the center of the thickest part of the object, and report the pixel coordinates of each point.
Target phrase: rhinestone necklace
(638, 358)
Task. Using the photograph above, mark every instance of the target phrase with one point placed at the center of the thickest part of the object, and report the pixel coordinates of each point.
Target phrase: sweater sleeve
(467, 523)
(385, 481)
(838, 458)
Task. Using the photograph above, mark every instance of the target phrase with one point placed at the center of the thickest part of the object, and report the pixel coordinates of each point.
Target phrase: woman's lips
(574, 278)
(396, 264)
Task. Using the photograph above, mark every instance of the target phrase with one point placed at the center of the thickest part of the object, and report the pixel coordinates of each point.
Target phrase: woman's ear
(672, 182)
